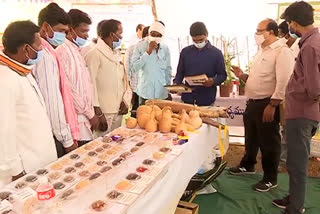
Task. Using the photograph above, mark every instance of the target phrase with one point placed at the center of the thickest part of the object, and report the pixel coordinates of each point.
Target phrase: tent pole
(154, 10)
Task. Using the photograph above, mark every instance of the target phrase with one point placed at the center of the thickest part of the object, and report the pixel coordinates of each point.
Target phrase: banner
(316, 6)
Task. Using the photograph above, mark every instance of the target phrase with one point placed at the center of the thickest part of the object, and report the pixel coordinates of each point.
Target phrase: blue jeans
(299, 133)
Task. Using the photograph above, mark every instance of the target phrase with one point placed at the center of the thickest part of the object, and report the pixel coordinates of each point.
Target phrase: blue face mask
(293, 33)
(117, 44)
(57, 39)
(37, 59)
(80, 41)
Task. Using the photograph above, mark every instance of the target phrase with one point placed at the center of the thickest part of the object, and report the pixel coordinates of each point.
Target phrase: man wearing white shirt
(265, 89)
(138, 36)
(293, 44)
(26, 139)
(108, 76)
(284, 34)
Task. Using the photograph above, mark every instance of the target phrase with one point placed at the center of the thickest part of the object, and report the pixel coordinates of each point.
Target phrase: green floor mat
(236, 196)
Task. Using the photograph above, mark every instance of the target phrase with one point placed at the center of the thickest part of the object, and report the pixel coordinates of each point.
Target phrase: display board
(316, 5)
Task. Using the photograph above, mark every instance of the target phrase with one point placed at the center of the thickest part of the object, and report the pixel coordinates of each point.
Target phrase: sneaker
(265, 186)
(281, 203)
(287, 211)
(241, 171)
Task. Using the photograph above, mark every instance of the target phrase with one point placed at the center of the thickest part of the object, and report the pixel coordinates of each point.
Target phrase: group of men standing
(284, 72)
(57, 94)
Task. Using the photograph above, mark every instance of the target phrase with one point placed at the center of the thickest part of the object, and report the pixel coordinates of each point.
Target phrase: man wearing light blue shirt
(151, 59)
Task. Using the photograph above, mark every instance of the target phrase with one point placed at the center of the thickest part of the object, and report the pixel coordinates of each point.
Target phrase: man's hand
(71, 148)
(237, 71)
(94, 123)
(268, 114)
(152, 46)
(16, 177)
(123, 109)
(103, 125)
(209, 83)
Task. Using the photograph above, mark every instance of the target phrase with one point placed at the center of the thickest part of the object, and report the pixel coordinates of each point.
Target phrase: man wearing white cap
(151, 59)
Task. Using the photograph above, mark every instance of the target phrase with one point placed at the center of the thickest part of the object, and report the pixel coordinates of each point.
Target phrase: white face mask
(200, 45)
(158, 40)
(259, 39)
(283, 40)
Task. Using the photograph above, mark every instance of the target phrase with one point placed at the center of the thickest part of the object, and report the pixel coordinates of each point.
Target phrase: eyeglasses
(260, 30)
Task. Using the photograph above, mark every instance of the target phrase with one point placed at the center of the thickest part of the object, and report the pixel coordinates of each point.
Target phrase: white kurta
(108, 77)
(26, 141)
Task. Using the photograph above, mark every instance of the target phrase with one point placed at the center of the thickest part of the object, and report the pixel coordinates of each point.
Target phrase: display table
(164, 196)
(157, 192)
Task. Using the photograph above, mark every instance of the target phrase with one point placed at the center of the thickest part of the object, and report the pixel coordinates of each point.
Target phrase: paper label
(138, 188)
(5, 206)
(127, 198)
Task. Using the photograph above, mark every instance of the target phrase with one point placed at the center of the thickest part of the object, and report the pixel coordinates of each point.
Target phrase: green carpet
(236, 196)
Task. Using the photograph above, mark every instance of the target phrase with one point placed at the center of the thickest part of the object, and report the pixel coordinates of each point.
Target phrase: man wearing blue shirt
(201, 58)
(151, 59)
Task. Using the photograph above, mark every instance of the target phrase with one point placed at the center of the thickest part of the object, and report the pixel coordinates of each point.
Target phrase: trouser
(59, 147)
(299, 134)
(263, 136)
(82, 142)
(284, 146)
(135, 104)
(142, 101)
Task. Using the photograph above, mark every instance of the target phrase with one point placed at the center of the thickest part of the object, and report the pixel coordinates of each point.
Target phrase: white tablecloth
(164, 196)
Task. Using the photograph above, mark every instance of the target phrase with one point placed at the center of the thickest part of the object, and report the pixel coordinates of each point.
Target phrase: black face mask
(293, 33)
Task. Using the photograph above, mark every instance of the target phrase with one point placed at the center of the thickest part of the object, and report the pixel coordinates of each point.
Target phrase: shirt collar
(276, 44)
(113, 55)
(14, 65)
(70, 43)
(307, 35)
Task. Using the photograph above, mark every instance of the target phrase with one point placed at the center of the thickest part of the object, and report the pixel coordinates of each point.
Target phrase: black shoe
(265, 186)
(281, 203)
(287, 211)
(239, 170)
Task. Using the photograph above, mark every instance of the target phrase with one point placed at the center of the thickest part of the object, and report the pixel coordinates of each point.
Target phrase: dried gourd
(195, 119)
(144, 109)
(152, 124)
(131, 123)
(158, 112)
(181, 127)
(166, 120)
(143, 115)
(186, 116)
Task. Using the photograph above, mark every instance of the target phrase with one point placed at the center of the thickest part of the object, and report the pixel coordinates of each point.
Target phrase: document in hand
(196, 80)
(178, 88)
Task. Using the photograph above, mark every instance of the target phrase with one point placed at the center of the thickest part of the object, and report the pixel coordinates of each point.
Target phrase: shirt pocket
(267, 66)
